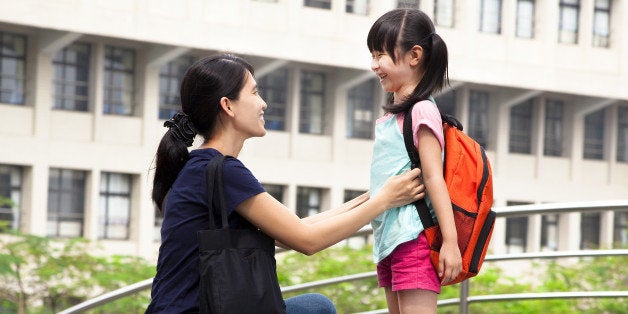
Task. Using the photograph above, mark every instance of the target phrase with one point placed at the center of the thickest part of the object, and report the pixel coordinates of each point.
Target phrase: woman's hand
(403, 189)
(449, 262)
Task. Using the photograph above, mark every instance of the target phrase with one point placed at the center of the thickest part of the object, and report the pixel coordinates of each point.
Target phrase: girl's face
(398, 78)
(249, 110)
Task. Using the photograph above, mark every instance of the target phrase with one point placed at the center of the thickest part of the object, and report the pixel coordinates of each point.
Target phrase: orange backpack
(468, 177)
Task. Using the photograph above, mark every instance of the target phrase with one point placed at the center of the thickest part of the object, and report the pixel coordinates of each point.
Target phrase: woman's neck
(224, 146)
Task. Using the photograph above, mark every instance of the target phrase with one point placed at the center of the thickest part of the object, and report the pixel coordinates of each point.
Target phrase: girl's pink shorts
(409, 267)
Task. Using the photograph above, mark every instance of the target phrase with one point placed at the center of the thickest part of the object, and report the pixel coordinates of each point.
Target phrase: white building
(85, 86)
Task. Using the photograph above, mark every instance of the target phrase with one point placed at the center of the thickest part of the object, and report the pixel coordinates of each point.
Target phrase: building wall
(286, 34)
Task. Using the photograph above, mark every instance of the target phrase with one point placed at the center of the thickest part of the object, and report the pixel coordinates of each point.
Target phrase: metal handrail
(508, 211)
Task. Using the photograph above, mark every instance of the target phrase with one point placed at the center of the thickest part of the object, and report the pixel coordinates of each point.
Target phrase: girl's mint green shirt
(400, 224)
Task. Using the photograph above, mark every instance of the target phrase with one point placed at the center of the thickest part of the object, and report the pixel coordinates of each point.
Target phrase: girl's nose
(374, 64)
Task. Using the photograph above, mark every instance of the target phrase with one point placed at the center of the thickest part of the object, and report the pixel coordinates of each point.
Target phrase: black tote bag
(237, 266)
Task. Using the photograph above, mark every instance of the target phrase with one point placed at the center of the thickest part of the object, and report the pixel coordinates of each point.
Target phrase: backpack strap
(415, 162)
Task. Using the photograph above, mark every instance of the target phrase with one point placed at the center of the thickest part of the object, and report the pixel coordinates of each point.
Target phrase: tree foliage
(43, 275)
(589, 274)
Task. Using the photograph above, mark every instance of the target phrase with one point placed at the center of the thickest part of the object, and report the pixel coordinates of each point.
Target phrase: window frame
(106, 196)
(13, 193)
(564, 7)
(594, 135)
(170, 77)
(446, 17)
(318, 4)
(520, 133)
(521, 20)
(601, 38)
(479, 111)
(487, 17)
(61, 64)
(553, 143)
(114, 69)
(16, 93)
(622, 134)
(361, 110)
(274, 89)
(307, 122)
(57, 188)
(304, 207)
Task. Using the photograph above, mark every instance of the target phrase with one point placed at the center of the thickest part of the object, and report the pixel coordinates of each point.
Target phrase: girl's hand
(449, 262)
(402, 189)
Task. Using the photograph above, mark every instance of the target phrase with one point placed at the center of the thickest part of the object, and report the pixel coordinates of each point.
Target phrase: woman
(220, 101)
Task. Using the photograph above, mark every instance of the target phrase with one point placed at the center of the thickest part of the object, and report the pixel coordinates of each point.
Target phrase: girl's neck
(406, 90)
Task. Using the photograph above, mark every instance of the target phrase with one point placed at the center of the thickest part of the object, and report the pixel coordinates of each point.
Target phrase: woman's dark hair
(205, 82)
(395, 33)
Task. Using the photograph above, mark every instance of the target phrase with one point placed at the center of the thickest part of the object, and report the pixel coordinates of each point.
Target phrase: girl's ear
(416, 55)
(225, 105)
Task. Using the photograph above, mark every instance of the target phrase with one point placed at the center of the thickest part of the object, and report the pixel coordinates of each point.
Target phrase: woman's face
(249, 109)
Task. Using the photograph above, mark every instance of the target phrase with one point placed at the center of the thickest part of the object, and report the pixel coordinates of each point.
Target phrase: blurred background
(85, 87)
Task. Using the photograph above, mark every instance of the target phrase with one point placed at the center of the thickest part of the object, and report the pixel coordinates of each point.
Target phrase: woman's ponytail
(172, 154)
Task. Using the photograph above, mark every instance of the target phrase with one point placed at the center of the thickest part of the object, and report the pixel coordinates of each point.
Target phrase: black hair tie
(182, 128)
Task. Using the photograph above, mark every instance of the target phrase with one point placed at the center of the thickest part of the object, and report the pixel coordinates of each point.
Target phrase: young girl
(220, 102)
(410, 60)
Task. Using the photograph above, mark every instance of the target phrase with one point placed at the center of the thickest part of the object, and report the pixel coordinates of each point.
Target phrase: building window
(525, 19)
(408, 4)
(516, 231)
(361, 110)
(312, 113)
(516, 234)
(491, 16)
(321, 4)
(119, 81)
(590, 231)
(170, 77)
(71, 77)
(351, 194)
(602, 23)
(622, 134)
(12, 68)
(66, 203)
(273, 88)
(159, 219)
(308, 201)
(478, 117)
(521, 128)
(444, 13)
(275, 190)
(620, 231)
(447, 103)
(549, 232)
(568, 23)
(594, 135)
(115, 206)
(10, 197)
(553, 135)
(360, 7)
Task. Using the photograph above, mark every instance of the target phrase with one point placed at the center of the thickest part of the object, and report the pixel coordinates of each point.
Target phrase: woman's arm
(450, 261)
(274, 219)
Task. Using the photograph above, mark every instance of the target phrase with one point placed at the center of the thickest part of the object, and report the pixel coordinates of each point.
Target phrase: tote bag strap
(214, 176)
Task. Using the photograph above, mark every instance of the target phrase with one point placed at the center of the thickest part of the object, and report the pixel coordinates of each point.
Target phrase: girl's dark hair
(395, 33)
(205, 82)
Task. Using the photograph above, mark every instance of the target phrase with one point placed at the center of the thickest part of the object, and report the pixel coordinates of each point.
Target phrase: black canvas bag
(237, 266)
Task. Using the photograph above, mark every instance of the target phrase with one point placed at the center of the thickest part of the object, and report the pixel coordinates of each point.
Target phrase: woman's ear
(225, 104)
(416, 55)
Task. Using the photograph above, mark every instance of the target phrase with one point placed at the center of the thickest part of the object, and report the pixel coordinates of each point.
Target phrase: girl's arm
(450, 261)
(276, 220)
